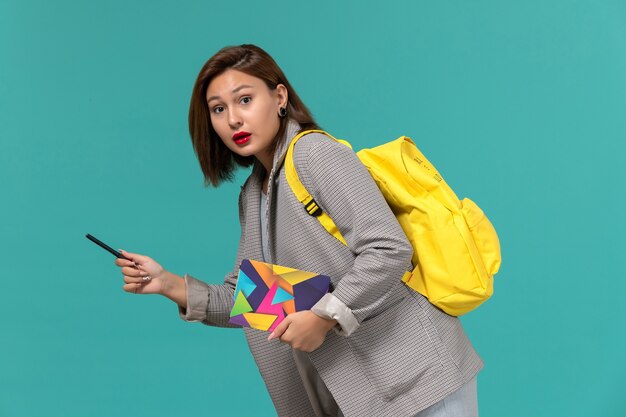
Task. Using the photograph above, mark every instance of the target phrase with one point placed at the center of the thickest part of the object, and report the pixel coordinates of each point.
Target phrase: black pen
(105, 246)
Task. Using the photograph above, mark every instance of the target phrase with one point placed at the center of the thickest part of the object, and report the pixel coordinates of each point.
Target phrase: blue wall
(521, 105)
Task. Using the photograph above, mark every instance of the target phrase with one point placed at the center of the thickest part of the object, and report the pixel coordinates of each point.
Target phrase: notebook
(266, 293)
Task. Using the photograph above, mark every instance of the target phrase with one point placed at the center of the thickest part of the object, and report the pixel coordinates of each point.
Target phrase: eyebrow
(234, 91)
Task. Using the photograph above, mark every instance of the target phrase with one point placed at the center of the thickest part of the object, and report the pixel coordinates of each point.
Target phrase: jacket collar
(252, 192)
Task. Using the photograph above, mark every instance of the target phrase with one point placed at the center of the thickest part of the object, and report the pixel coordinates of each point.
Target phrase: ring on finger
(147, 278)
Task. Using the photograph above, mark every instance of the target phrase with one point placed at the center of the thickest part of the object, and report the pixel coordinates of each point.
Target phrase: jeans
(461, 403)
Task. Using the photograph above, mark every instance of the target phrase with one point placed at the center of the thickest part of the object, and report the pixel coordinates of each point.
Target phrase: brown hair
(217, 162)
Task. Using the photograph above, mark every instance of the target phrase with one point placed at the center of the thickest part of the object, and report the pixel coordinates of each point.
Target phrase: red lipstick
(241, 137)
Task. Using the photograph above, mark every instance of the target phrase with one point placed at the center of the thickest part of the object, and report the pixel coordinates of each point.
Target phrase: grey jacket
(394, 353)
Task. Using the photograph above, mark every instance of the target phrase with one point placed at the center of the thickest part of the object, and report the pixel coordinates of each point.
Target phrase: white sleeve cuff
(330, 307)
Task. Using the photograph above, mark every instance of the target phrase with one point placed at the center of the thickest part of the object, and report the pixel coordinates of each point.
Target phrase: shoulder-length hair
(217, 162)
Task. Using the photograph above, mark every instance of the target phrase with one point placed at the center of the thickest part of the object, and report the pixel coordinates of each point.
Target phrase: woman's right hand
(136, 269)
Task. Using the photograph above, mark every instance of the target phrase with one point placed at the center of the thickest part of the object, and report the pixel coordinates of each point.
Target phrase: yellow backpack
(456, 248)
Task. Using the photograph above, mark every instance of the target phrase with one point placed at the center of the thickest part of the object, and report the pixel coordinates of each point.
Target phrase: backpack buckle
(313, 209)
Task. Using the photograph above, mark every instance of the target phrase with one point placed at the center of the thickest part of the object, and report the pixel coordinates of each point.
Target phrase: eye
(245, 100)
(218, 109)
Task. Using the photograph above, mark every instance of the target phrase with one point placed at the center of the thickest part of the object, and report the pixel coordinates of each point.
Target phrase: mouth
(241, 137)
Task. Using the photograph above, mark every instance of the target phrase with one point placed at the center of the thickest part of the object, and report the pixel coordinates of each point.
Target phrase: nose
(234, 119)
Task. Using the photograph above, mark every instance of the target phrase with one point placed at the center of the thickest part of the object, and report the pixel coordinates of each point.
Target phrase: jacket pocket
(395, 351)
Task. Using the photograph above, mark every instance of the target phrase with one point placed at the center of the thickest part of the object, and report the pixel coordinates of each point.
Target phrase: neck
(267, 160)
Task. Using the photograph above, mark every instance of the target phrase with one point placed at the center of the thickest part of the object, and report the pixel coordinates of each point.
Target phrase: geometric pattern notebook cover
(266, 293)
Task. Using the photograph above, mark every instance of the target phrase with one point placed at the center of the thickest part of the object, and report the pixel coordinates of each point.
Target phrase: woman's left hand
(303, 330)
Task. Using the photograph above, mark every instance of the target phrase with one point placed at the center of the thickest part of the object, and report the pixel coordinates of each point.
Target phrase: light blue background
(521, 105)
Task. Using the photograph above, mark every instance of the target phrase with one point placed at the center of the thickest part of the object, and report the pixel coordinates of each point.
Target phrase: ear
(282, 95)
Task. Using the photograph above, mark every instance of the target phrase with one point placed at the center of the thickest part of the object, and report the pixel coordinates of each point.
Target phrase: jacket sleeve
(211, 303)
(344, 189)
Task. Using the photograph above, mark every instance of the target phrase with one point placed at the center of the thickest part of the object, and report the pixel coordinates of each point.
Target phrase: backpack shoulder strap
(310, 205)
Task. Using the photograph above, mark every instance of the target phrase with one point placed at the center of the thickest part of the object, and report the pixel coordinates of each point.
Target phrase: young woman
(390, 352)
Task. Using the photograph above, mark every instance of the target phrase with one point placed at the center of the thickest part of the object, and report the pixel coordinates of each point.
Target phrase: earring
(282, 112)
